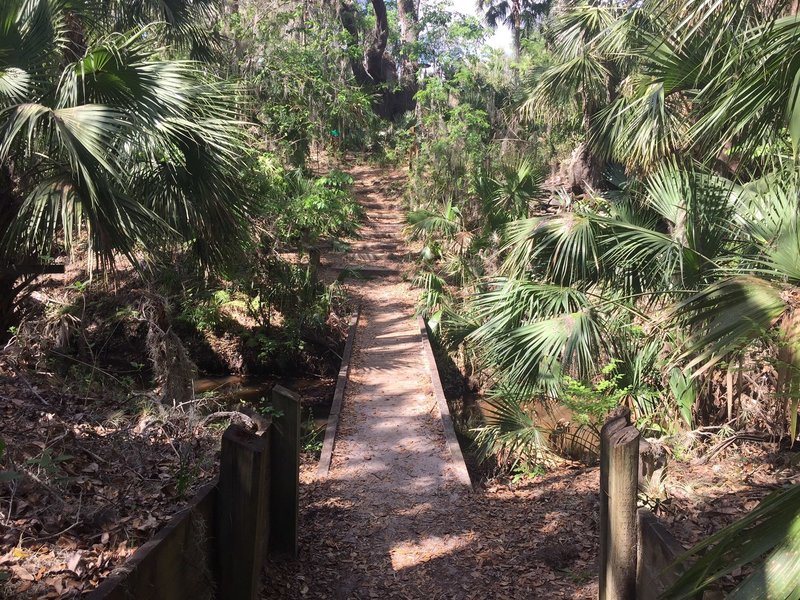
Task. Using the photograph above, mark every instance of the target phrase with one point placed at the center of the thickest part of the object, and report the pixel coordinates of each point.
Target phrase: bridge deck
(392, 519)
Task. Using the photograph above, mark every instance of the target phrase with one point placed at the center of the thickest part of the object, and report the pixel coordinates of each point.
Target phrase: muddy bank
(316, 393)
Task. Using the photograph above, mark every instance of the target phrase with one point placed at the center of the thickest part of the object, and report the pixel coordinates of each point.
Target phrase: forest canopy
(605, 215)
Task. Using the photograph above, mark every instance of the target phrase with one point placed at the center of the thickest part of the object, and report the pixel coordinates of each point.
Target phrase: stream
(316, 394)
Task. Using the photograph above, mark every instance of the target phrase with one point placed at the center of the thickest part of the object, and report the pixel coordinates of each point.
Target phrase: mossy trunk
(376, 70)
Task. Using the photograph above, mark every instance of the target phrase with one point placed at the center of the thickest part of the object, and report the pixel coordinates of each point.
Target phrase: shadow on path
(390, 520)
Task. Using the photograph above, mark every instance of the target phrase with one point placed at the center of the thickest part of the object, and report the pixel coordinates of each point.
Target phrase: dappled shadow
(704, 498)
(537, 541)
(95, 479)
(391, 520)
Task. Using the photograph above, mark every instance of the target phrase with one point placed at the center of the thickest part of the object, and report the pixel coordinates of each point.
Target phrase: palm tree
(507, 196)
(704, 255)
(584, 78)
(518, 15)
(744, 116)
(97, 129)
(716, 82)
(576, 285)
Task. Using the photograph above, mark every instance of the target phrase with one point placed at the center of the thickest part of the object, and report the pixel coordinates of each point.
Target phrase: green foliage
(144, 150)
(49, 464)
(312, 436)
(326, 209)
(524, 471)
(772, 529)
(512, 433)
(680, 256)
(298, 73)
(185, 476)
(590, 403)
(265, 408)
(298, 211)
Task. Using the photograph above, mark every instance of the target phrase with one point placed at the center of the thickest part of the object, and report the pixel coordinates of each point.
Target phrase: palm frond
(425, 222)
(774, 529)
(511, 430)
(727, 316)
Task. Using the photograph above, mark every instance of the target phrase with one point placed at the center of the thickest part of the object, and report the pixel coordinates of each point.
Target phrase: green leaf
(773, 528)
(729, 314)
(684, 390)
(793, 114)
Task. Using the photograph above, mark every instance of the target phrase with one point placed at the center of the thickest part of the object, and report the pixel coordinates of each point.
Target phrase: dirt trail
(390, 450)
(391, 520)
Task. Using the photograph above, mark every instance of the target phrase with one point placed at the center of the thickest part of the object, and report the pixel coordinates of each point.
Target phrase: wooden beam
(338, 399)
(448, 428)
(618, 419)
(285, 472)
(242, 523)
(19, 270)
(623, 487)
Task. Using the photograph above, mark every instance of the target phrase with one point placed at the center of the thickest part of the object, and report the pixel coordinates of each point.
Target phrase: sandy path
(391, 519)
(390, 448)
(390, 456)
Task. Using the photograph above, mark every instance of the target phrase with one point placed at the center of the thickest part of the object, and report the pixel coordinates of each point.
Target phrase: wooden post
(242, 524)
(618, 419)
(314, 259)
(285, 461)
(621, 543)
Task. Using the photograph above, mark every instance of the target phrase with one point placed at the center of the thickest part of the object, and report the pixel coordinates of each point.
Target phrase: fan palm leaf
(564, 248)
(425, 222)
(773, 529)
(511, 429)
(146, 150)
(527, 328)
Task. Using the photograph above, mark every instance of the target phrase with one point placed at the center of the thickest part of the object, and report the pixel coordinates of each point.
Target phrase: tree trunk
(409, 67)
(516, 16)
(586, 169)
(75, 49)
(347, 16)
(314, 260)
(9, 205)
(378, 71)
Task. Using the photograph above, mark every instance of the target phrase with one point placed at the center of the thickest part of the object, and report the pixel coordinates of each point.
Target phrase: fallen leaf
(21, 573)
(74, 562)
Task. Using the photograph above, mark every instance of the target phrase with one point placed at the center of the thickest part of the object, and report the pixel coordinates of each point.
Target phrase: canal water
(316, 394)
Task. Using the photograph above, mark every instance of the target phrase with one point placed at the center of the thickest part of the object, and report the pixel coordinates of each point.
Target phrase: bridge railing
(637, 554)
(216, 547)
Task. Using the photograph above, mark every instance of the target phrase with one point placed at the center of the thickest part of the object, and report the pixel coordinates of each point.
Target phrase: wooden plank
(242, 523)
(364, 270)
(176, 564)
(285, 472)
(378, 245)
(623, 487)
(462, 474)
(617, 419)
(338, 399)
(20, 270)
(363, 257)
(656, 553)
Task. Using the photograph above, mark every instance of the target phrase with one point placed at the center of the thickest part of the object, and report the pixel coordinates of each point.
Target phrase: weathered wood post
(242, 523)
(618, 419)
(619, 479)
(623, 488)
(285, 469)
